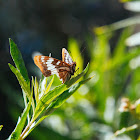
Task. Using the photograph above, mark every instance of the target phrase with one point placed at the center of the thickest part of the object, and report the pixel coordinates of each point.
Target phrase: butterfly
(49, 66)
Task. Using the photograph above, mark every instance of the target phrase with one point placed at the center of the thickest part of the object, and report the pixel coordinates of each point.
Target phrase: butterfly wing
(64, 75)
(66, 57)
(50, 66)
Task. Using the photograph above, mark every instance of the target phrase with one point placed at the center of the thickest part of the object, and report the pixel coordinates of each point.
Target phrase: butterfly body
(49, 66)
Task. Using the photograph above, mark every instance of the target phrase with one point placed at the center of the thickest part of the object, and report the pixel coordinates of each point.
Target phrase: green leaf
(36, 90)
(66, 94)
(138, 138)
(21, 80)
(18, 60)
(138, 110)
(42, 86)
(51, 95)
(113, 64)
(101, 52)
(59, 101)
(47, 98)
(121, 45)
(1, 127)
(20, 124)
(75, 51)
(49, 86)
(134, 20)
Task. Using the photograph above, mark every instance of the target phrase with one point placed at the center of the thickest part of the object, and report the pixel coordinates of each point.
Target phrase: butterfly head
(73, 68)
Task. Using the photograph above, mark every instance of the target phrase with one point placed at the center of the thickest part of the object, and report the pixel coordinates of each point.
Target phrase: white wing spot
(42, 58)
(58, 63)
(50, 60)
(67, 57)
(61, 80)
(50, 66)
(54, 71)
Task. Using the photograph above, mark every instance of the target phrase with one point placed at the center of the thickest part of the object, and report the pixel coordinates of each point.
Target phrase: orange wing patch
(40, 61)
(63, 54)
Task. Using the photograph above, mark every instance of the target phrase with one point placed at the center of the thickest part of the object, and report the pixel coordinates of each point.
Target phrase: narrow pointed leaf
(42, 86)
(36, 91)
(49, 86)
(1, 127)
(66, 94)
(18, 60)
(20, 124)
(47, 98)
(121, 45)
(21, 80)
(113, 64)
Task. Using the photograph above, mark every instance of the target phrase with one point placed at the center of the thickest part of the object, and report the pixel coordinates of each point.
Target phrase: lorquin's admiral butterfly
(49, 66)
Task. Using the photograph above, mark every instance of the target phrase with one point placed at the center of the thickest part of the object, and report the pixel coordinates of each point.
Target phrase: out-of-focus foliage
(1, 127)
(93, 111)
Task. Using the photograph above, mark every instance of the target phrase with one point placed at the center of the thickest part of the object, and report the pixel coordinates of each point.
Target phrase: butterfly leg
(77, 71)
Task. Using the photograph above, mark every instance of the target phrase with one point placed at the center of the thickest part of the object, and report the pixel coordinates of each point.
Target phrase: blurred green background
(106, 32)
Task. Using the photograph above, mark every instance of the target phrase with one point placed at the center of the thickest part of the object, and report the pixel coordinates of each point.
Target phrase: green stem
(25, 102)
(25, 130)
(123, 130)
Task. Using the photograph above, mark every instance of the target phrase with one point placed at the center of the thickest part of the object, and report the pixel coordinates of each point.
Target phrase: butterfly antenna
(70, 54)
(80, 53)
(50, 55)
(77, 71)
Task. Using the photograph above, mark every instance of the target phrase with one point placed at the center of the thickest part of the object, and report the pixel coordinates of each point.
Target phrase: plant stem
(123, 130)
(25, 130)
